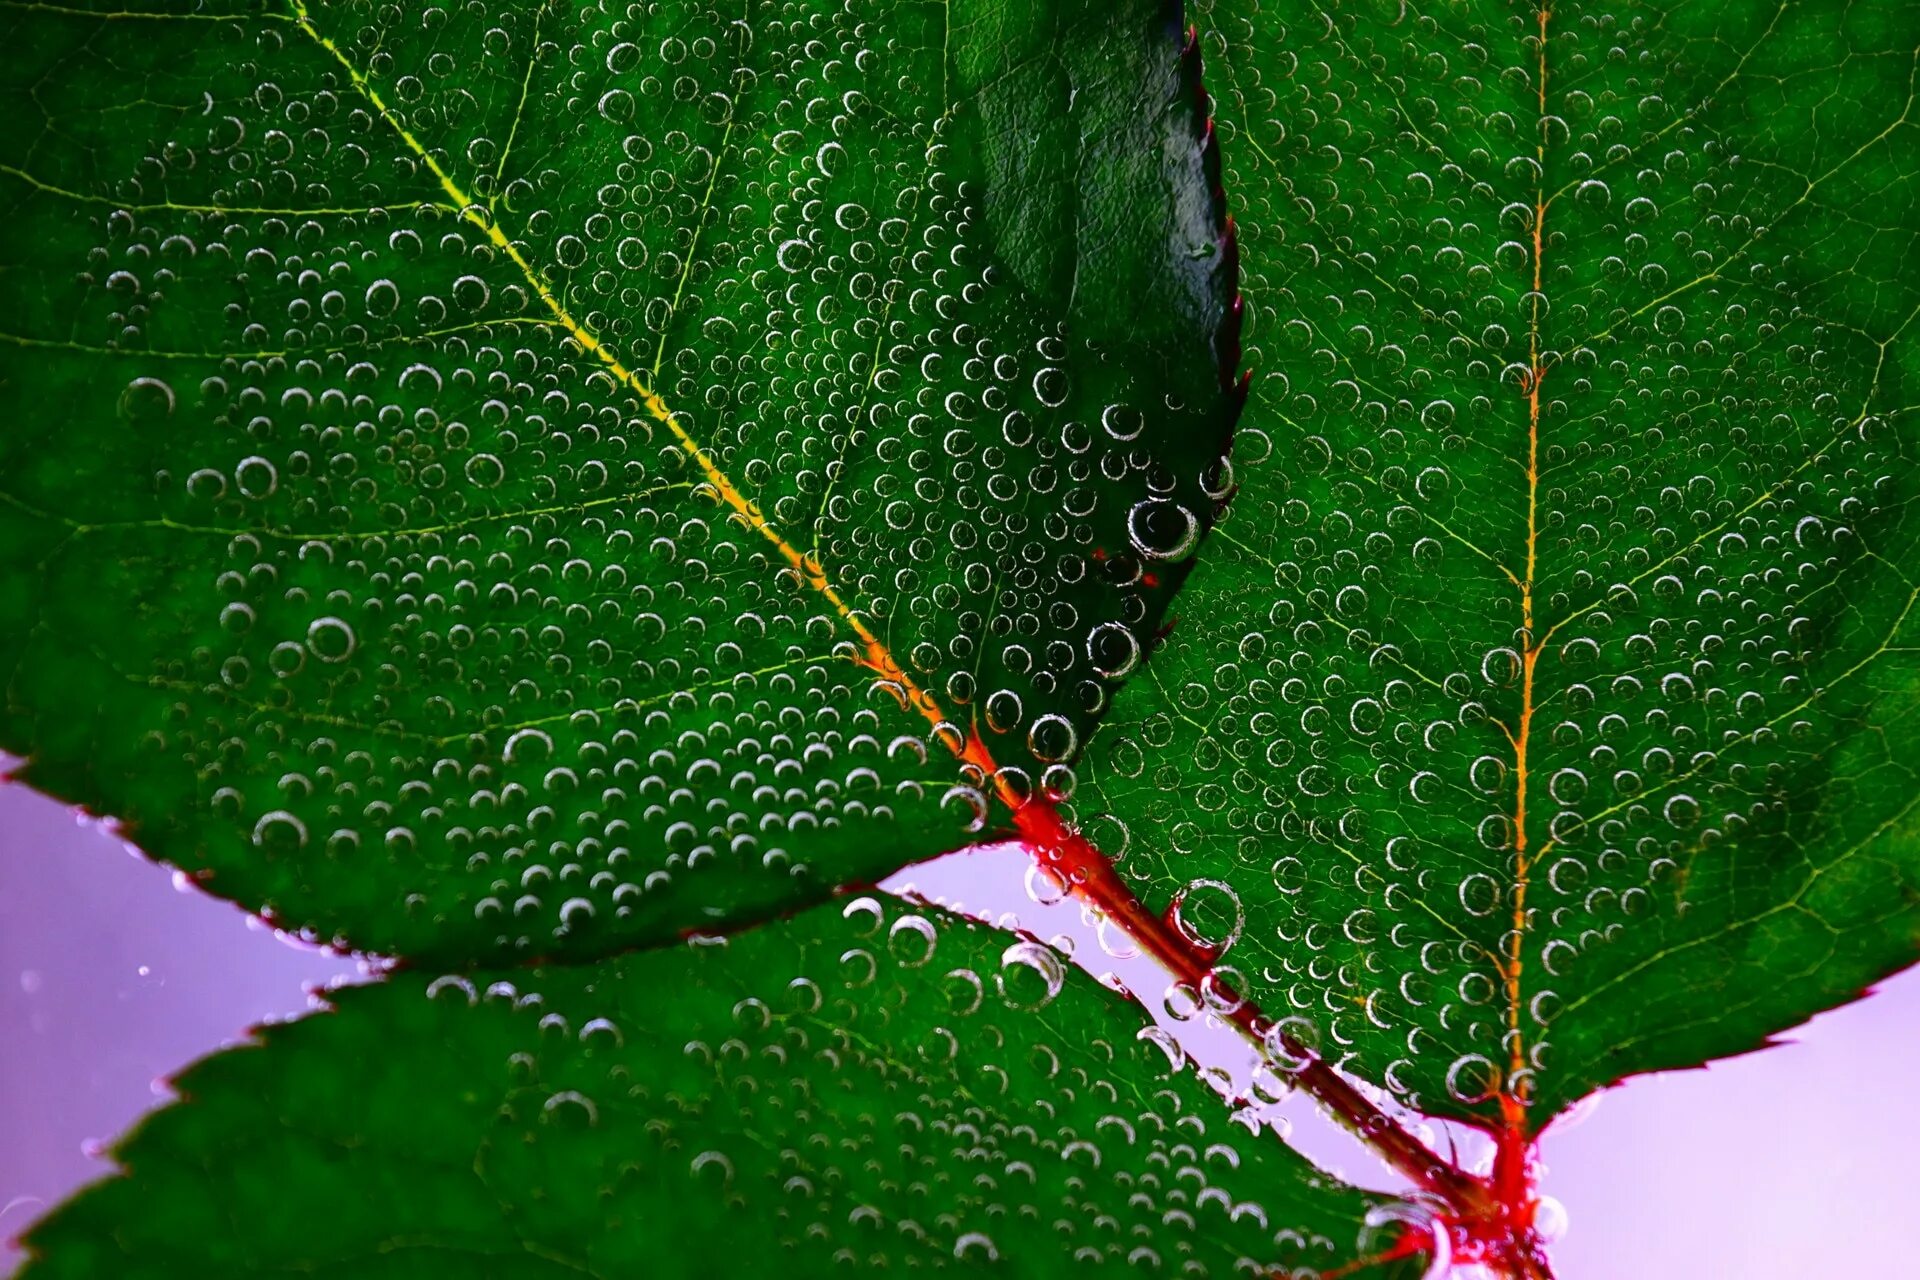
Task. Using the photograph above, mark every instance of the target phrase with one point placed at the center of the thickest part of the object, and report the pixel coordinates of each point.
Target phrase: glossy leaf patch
(874, 1087)
(532, 480)
(1544, 709)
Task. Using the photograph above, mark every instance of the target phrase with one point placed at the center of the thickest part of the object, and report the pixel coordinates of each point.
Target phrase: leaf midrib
(1512, 1106)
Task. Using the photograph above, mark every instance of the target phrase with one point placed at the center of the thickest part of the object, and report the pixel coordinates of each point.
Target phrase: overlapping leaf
(869, 1087)
(494, 481)
(1544, 709)
(534, 482)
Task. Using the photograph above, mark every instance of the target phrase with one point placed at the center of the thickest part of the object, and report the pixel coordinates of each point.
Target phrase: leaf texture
(534, 480)
(1543, 711)
(880, 1087)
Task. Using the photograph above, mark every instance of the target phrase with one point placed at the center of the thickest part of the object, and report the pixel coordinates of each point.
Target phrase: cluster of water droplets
(883, 1084)
(526, 399)
(1619, 513)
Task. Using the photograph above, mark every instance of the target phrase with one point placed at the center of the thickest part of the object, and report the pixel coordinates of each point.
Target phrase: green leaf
(530, 481)
(875, 1086)
(1544, 709)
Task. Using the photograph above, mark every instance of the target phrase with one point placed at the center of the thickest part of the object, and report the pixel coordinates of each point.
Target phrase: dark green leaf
(534, 480)
(878, 1087)
(1544, 710)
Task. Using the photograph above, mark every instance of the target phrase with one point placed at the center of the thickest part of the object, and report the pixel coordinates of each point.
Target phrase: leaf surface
(1544, 709)
(533, 480)
(875, 1086)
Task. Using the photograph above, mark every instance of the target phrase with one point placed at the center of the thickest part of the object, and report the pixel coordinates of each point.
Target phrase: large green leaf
(525, 480)
(876, 1086)
(1543, 711)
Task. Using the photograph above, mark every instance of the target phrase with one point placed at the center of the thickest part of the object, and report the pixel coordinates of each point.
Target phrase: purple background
(1782, 1165)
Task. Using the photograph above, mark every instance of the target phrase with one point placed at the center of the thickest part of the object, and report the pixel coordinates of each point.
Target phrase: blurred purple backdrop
(1781, 1165)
